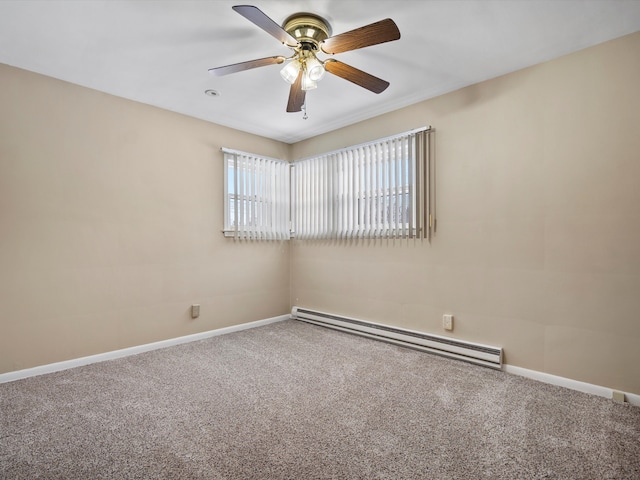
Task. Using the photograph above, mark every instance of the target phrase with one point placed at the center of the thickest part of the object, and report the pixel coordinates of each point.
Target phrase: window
(257, 195)
(374, 190)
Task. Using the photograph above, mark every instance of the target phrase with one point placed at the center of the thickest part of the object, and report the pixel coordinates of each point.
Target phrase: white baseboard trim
(606, 392)
(125, 352)
(598, 390)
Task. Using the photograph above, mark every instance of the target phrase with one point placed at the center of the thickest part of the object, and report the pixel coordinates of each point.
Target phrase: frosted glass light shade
(315, 69)
(290, 71)
(307, 82)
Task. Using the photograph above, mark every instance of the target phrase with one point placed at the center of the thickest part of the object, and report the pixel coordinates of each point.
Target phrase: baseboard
(125, 352)
(598, 390)
(630, 398)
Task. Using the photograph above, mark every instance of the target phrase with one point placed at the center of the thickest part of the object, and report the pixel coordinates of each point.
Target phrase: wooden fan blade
(296, 95)
(364, 79)
(239, 67)
(258, 17)
(373, 34)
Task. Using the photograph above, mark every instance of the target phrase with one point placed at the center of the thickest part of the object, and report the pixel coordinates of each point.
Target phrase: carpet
(296, 401)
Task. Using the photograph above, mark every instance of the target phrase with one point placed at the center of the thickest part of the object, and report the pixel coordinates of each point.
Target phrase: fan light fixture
(312, 70)
(309, 30)
(307, 35)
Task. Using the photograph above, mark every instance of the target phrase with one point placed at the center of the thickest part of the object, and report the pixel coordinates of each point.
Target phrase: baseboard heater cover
(479, 354)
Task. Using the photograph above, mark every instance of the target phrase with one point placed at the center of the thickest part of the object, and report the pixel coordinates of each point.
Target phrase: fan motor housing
(307, 28)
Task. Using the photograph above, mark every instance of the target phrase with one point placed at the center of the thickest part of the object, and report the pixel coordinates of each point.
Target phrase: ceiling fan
(307, 35)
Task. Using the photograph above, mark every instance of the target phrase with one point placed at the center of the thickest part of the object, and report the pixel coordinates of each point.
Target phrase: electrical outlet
(195, 311)
(617, 396)
(447, 322)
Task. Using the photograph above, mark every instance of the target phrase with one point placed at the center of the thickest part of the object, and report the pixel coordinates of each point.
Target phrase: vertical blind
(375, 190)
(257, 200)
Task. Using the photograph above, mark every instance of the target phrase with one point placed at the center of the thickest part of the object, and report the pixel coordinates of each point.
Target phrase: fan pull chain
(304, 109)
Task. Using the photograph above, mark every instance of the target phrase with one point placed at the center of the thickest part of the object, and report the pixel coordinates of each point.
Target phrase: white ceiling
(158, 52)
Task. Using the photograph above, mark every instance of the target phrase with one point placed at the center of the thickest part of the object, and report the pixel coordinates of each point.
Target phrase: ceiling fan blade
(372, 34)
(296, 95)
(239, 67)
(364, 79)
(258, 17)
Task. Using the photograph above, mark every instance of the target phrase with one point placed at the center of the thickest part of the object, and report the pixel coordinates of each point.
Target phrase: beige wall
(538, 206)
(110, 219)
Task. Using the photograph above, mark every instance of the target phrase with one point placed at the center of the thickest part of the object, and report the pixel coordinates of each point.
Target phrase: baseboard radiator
(484, 355)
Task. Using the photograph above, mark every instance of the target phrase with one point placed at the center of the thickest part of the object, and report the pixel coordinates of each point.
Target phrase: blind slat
(410, 177)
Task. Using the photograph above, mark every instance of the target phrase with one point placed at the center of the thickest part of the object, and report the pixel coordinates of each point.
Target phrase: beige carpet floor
(297, 401)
